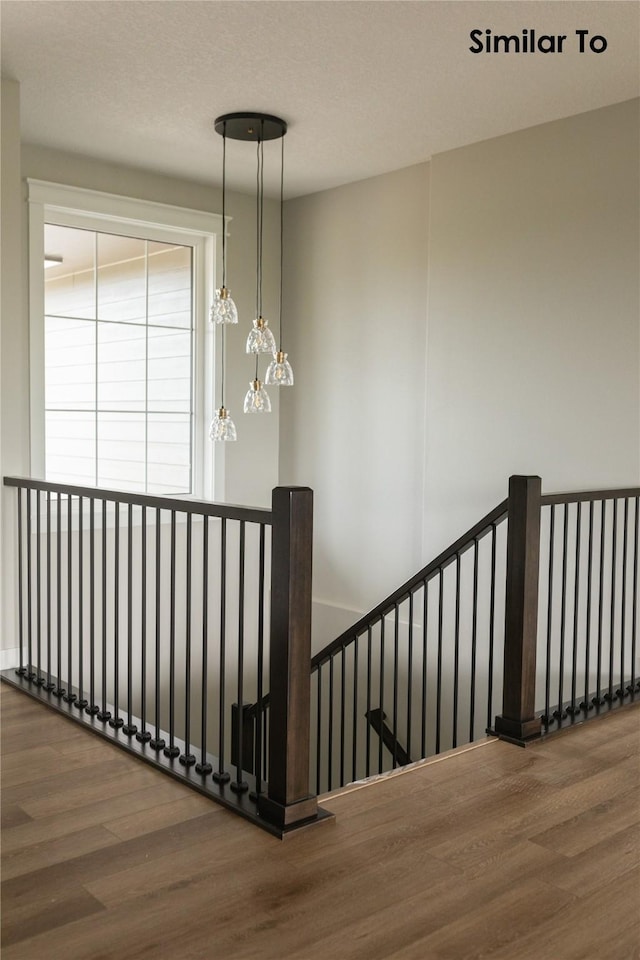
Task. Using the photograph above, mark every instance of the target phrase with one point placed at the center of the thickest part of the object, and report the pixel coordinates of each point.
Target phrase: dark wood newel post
(288, 802)
(518, 721)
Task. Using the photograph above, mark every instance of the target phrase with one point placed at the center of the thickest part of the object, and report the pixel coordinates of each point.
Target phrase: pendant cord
(222, 369)
(261, 213)
(259, 222)
(224, 197)
(224, 251)
(281, 235)
(258, 264)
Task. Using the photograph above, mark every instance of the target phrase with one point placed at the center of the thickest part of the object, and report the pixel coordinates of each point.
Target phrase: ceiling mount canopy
(250, 126)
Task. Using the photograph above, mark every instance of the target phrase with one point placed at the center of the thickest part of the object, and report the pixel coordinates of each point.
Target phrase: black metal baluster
(319, 731)
(259, 711)
(172, 750)
(573, 708)
(456, 655)
(609, 696)
(265, 739)
(188, 759)
(396, 645)
(632, 688)
(116, 720)
(239, 785)
(598, 700)
(586, 704)
(560, 713)
(30, 674)
(342, 715)
(354, 737)
(129, 729)
(492, 613)
(548, 716)
(439, 668)
(157, 742)
(382, 624)
(39, 679)
(410, 674)
(81, 702)
(330, 737)
(621, 692)
(69, 696)
(204, 767)
(368, 734)
(49, 685)
(92, 708)
(474, 645)
(425, 624)
(104, 714)
(59, 690)
(220, 775)
(143, 735)
(21, 671)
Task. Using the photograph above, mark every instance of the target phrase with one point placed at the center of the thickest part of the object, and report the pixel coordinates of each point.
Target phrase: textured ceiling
(366, 86)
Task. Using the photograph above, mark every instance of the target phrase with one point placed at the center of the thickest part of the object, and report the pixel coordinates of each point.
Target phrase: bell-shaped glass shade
(279, 372)
(260, 340)
(257, 399)
(222, 426)
(223, 309)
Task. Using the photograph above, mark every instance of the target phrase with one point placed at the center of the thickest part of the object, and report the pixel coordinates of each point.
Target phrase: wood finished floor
(496, 853)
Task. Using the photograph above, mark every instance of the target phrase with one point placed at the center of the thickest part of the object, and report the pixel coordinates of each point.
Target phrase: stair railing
(571, 653)
(147, 619)
(422, 668)
(517, 629)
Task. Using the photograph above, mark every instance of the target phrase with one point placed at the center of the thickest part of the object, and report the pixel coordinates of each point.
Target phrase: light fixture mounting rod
(250, 126)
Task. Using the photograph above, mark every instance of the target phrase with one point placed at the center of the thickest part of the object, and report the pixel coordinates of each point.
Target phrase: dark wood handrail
(463, 543)
(589, 495)
(205, 508)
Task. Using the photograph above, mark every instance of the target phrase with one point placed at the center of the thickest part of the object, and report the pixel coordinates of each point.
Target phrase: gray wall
(14, 347)
(412, 408)
(533, 348)
(353, 427)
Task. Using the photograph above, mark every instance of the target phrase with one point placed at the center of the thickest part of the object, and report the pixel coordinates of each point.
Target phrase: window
(122, 354)
(118, 361)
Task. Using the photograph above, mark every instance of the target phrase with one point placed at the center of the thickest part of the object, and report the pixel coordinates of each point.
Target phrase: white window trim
(73, 206)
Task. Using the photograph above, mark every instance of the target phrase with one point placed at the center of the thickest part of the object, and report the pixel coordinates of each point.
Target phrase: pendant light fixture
(260, 339)
(279, 372)
(257, 399)
(256, 128)
(223, 309)
(222, 426)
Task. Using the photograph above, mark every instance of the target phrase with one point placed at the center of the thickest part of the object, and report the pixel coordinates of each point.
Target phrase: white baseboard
(9, 658)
